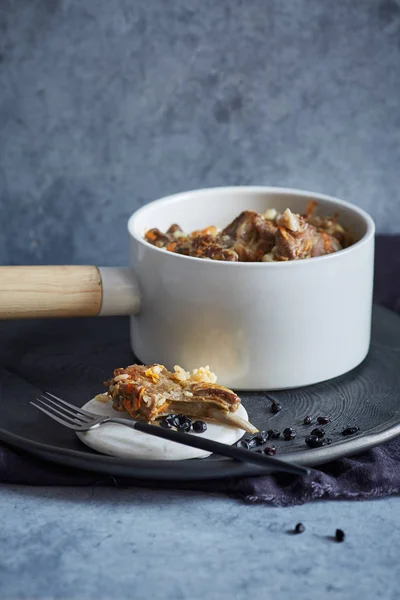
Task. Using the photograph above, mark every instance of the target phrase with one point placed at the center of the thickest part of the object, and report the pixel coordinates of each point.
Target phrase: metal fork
(79, 419)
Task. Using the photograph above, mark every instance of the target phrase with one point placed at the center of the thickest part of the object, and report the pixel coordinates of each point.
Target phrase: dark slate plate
(368, 397)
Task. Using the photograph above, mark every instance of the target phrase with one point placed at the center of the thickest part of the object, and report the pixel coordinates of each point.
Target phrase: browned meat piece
(201, 242)
(155, 237)
(173, 229)
(168, 240)
(252, 235)
(150, 392)
(291, 245)
(205, 246)
(184, 248)
(298, 239)
(325, 244)
(331, 226)
(218, 253)
(307, 243)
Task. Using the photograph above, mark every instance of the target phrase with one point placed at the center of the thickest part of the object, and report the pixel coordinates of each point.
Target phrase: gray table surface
(77, 543)
(84, 543)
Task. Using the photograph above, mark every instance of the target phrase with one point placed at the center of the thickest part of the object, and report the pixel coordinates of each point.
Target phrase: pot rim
(361, 214)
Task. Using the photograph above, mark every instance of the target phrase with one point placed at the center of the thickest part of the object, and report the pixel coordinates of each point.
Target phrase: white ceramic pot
(259, 326)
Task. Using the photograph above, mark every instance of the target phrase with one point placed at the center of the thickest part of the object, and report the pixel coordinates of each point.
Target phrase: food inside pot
(150, 392)
(259, 237)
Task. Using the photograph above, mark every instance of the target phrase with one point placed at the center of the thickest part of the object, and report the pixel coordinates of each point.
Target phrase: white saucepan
(259, 326)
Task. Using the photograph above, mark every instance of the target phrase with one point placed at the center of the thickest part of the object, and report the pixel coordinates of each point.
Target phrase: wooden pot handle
(67, 291)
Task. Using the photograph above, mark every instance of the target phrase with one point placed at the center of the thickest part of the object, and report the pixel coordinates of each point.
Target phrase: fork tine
(53, 416)
(75, 408)
(74, 413)
(72, 420)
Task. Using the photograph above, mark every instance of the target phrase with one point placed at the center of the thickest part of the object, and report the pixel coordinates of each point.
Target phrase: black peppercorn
(312, 441)
(339, 535)
(261, 437)
(323, 442)
(199, 427)
(299, 528)
(275, 407)
(350, 430)
(273, 434)
(243, 444)
(319, 432)
(252, 442)
(185, 427)
(289, 433)
(172, 420)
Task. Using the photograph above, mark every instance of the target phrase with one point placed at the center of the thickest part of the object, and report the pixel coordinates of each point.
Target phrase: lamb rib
(150, 392)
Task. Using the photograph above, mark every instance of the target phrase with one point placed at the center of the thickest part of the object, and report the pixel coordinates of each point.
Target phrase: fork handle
(67, 291)
(214, 447)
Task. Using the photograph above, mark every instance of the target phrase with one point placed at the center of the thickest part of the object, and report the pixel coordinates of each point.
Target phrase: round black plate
(367, 397)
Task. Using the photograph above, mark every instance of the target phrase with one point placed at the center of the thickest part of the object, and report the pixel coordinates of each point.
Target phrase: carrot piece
(150, 235)
(327, 242)
(210, 230)
(307, 246)
(310, 207)
(283, 232)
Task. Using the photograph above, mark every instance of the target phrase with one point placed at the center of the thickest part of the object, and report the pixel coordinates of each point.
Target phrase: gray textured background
(106, 105)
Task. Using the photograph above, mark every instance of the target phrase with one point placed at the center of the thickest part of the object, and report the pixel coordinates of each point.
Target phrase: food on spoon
(259, 237)
(149, 393)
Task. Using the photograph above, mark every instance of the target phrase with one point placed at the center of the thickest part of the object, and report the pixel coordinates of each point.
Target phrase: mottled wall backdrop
(106, 105)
